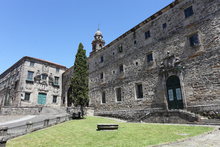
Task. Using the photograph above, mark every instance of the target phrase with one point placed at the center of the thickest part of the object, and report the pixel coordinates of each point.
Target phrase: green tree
(79, 81)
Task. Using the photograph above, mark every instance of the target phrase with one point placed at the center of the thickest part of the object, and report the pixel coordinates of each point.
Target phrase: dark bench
(76, 115)
(107, 127)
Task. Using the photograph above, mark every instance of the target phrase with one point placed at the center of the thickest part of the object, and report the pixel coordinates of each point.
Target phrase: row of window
(187, 12)
(43, 77)
(120, 50)
(10, 78)
(118, 93)
(9, 81)
(192, 39)
(28, 96)
(121, 67)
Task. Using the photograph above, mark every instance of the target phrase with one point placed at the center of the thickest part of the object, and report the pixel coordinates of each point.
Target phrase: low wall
(129, 115)
(171, 116)
(210, 111)
(89, 111)
(7, 133)
(153, 116)
(20, 110)
(157, 115)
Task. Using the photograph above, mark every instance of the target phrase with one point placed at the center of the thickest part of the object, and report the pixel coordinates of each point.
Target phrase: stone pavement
(36, 118)
(47, 113)
(6, 118)
(211, 139)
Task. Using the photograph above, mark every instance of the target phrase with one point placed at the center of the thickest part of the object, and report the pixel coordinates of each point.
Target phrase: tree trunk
(82, 111)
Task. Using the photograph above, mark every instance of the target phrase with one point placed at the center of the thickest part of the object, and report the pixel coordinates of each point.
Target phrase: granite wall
(196, 66)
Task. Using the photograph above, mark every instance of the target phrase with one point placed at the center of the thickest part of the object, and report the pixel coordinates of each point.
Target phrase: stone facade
(66, 90)
(32, 82)
(169, 61)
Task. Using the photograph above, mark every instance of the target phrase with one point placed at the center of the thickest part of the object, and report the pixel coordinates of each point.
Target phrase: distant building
(32, 82)
(170, 61)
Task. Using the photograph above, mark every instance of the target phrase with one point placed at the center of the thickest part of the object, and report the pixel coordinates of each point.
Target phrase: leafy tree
(79, 81)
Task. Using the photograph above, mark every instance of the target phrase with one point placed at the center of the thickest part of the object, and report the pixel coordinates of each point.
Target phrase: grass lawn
(82, 133)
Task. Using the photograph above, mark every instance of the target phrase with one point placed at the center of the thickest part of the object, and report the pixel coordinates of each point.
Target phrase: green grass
(82, 133)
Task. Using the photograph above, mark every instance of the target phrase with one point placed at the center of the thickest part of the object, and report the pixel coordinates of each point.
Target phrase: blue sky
(52, 29)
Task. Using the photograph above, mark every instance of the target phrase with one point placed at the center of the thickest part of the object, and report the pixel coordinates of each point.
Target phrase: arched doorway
(69, 99)
(174, 93)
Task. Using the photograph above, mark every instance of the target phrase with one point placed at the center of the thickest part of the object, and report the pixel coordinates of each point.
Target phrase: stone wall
(88, 111)
(153, 115)
(20, 110)
(209, 111)
(197, 67)
(67, 76)
(9, 85)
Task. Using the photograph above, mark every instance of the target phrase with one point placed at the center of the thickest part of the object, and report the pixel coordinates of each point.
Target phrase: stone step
(171, 116)
(211, 121)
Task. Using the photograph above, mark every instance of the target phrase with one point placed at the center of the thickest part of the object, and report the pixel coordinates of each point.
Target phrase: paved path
(5, 120)
(34, 118)
(206, 140)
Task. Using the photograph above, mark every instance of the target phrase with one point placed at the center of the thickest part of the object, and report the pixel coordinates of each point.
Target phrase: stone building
(170, 61)
(66, 90)
(32, 82)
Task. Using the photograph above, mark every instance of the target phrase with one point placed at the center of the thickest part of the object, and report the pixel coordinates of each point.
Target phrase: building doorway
(42, 98)
(174, 93)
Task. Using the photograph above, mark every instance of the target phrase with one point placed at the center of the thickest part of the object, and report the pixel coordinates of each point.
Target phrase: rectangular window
(120, 48)
(178, 94)
(188, 12)
(56, 80)
(31, 64)
(194, 40)
(135, 42)
(44, 76)
(170, 95)
(27, 96)
(54, 99)
(118, 94)
(139, 91)
(164, 25)
(57, 70)
(30, 75)
(101, 75)
(121, 68)
(103, 98)
(150, 57)
(101, 59)
(147, 34)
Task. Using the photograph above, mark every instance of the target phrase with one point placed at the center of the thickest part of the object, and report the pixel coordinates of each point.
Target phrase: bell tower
(98, 42)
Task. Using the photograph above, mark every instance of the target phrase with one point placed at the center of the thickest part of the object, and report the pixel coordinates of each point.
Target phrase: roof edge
(149, 19)
(29, 58)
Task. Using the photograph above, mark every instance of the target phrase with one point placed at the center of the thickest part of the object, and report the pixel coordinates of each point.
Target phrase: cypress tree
(79, 81)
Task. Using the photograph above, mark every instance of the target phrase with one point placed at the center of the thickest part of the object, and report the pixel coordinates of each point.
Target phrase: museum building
(32, 82)
(170, 61)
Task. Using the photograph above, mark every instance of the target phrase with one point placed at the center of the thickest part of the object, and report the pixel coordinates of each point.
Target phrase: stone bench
(107, 127)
